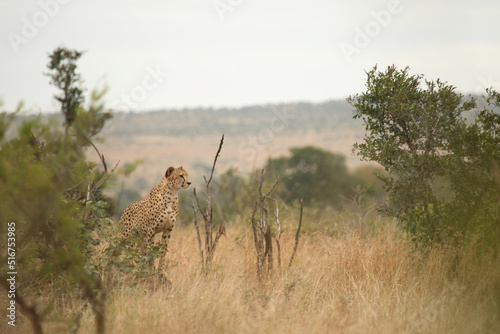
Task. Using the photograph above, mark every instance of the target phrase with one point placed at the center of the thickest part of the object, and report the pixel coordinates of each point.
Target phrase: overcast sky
(211, 53)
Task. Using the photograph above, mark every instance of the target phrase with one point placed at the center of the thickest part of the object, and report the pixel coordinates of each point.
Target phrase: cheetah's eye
(182, 176)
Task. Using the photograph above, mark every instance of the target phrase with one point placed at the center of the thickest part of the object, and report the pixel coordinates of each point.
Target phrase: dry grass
(353, 284)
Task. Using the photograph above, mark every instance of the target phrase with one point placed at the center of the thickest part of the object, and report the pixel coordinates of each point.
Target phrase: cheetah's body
(158, 212)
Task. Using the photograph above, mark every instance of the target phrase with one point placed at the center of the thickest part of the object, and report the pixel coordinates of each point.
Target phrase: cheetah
(158, 212)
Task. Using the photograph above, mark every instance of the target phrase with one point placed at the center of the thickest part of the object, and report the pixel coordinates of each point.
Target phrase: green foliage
(63, 75)
(53, 194)
(418, 133)
(125, 197)
(117, 183)
(316, 175)
(90, 122)
(44, 181)
(474, 174)
(233, 194)
(122, 258)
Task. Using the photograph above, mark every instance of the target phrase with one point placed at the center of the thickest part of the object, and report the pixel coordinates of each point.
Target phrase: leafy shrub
(419, 133)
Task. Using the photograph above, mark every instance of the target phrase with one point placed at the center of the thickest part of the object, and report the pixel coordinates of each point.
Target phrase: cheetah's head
(178, 177)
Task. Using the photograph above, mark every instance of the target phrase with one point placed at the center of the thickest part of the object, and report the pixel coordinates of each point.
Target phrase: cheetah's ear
(180, 168)
(169, 171)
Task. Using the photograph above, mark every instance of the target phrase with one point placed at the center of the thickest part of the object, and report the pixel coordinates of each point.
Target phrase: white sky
(257, 52)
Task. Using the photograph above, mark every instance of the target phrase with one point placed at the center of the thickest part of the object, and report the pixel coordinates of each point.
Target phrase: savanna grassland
(356, 280)
(433, 267)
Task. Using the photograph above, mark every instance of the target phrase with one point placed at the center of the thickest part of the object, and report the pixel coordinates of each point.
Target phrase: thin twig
(278, 233)
(254, 227)
(273, 186)
(220, 231)
(255, 239)
(215, 161)
(195, 211)
(261, 179)
(103, 179)
(298, 232)
(262, 230)
(269, 249)
(198, 204)
(207, 214)
(101, 156)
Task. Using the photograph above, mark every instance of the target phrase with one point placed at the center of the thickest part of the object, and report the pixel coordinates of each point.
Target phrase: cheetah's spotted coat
(158, 212)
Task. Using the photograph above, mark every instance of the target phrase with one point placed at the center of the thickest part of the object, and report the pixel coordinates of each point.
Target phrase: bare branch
(256, 240)
(261, 179)
(205, 218)
(215, 161)
(262, 230)
(207, 214)
(103, 179)
(220, 231)
(273, 186)
(195, 211)
(101, 156)
(254, 225)
(298, 232)
(278, 231)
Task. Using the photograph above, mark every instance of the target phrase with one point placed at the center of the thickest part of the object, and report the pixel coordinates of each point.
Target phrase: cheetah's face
(178, 177)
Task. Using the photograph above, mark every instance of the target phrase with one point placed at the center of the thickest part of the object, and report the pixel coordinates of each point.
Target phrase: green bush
(53, 195)
(317, 176)
(417, 130)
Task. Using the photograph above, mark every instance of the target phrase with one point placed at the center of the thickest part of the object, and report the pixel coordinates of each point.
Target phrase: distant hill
(190, 137)
(327, 116)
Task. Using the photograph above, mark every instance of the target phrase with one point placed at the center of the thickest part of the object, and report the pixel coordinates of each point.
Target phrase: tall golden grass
(356, 283)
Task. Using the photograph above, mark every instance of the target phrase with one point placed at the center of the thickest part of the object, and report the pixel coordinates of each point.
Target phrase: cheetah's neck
(166, 189)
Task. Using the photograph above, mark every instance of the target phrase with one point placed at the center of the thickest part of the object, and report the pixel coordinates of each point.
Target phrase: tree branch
(298, 232)
(195, 211)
